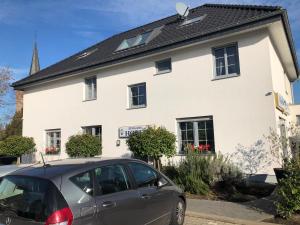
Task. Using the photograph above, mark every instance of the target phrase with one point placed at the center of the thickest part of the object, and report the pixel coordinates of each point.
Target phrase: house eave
(232, 30)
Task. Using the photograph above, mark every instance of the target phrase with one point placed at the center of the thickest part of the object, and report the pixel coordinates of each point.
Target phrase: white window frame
(84, 129)
(226, 75)
(195, 121)
(55, 138)
(131, 106)
(163, 71)
(93, 89)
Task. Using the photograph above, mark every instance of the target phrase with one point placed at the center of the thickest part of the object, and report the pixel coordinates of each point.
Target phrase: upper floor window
(93, 130)
(90, 88)
(53, 141)
(134, 41)
(137, 95)
(199, 133)
(226, 61)
(163, 66)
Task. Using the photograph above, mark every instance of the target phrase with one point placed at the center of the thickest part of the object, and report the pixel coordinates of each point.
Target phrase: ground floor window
(197, 132)
(53, 141)
(93, 130)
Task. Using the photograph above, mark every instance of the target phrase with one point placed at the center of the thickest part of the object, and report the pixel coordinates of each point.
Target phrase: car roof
(54, 169)
(6, 169)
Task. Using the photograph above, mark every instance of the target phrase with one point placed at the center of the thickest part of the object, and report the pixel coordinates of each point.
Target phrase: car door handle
(108, 204)
(145, 196)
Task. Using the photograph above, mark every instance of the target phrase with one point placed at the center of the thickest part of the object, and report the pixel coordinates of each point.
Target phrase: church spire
(35, 63)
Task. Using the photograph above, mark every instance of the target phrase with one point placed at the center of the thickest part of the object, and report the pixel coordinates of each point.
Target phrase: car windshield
(30, 198)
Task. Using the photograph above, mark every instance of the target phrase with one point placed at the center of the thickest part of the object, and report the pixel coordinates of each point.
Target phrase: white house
(218, 78)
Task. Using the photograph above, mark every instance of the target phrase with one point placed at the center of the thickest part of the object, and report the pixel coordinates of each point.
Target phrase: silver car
(89, 192)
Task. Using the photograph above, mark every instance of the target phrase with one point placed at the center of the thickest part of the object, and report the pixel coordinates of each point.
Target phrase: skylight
(134, 41)
(87, 53)
(194, 20)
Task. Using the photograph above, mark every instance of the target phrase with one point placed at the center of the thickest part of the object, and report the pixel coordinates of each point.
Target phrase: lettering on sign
(124, 132)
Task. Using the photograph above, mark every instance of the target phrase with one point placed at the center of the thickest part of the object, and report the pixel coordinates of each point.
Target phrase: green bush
(197, 173)
(83, 145)
(17, 146)
(289, 190)
(153, 142)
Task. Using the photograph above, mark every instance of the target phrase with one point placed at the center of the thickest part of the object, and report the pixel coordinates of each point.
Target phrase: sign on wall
(124, 132)
(281, 103)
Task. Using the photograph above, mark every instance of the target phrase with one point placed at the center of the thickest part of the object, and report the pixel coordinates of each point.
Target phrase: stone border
(224, 219)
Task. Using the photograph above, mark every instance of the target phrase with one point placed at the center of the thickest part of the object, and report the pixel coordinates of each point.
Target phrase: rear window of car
(30, 198)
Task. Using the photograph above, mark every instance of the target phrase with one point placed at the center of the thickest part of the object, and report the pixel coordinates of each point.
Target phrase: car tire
(178, 213)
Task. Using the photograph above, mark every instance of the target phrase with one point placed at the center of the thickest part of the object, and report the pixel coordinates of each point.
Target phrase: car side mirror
(161, 182)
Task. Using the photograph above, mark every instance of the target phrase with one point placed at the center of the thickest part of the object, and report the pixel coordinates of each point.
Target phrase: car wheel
(178, 213)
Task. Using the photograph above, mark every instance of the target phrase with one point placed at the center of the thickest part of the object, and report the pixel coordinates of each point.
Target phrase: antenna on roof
(44, 164)
(182, 9)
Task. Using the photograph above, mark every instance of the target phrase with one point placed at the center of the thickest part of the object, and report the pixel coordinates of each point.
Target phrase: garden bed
(243, 192)
(295, 220)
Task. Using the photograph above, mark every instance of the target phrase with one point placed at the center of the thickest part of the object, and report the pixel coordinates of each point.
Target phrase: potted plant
(51, 150)
(281, 149)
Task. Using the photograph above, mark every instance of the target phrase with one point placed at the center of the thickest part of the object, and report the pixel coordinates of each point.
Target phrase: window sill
(163, 72)
(221, 77)
(200, 154)
(137, 107)
(88, 100)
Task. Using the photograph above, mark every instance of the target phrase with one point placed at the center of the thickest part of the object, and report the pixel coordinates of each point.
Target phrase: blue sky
(64, 27)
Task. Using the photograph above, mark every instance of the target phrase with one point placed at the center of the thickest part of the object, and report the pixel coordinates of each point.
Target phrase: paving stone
(201, 221)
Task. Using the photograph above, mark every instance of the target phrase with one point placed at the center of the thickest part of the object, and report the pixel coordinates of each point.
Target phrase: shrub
(289, 190)
(17, 146)
(153, 142)
(198, 172)
(83, 145)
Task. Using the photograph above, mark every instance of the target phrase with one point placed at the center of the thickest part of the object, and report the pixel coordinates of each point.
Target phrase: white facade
(242, 107)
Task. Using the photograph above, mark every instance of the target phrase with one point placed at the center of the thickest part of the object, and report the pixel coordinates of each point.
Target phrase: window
(134, 41)
(84, 181)
(111, 179)
(137, 95)
(198, 133)
(93, 130)
(163, 66)
(194, 20)
(28, 197)
(226, 61)
(298, 120)
(53, 141)
(90, 88)
(144, 175)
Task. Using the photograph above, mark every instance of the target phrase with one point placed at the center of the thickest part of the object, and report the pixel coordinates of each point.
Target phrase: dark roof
(220, 19)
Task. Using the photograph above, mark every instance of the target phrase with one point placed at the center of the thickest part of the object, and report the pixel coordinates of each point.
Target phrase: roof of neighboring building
(219, 20)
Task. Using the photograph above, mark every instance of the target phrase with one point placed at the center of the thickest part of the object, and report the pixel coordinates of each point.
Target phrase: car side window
(111, 179)
(144, 175)
(84, 181)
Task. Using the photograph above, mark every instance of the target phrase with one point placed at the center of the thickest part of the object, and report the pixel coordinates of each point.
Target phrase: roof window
(87, 53)
(134, 41)
(194, 20)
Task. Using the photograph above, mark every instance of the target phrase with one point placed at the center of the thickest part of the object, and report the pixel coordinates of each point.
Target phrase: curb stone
(224, 219)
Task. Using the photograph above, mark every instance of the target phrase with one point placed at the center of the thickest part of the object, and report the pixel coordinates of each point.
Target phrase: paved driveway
(257, 210)
(202, 221)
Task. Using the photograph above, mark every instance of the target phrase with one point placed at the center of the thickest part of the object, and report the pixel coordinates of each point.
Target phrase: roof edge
(208, 36)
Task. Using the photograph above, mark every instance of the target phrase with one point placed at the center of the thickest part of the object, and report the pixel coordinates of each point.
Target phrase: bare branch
(5, 79)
